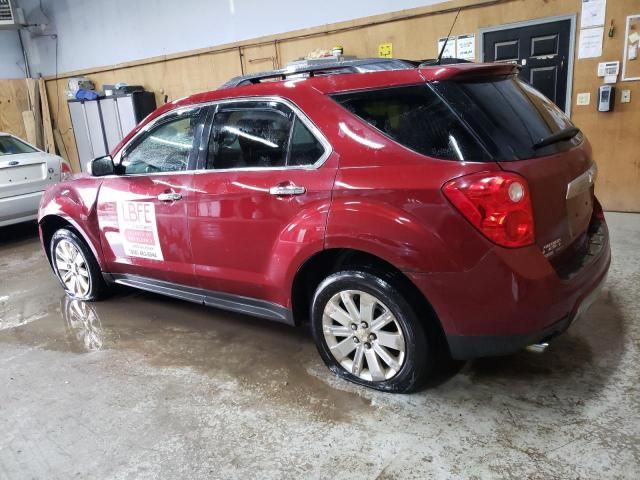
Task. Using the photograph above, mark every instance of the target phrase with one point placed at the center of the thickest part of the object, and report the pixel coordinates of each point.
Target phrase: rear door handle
(169, 197)
(287, 190)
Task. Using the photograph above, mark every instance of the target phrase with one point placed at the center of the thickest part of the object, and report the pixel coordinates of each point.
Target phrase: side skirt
(226, 301)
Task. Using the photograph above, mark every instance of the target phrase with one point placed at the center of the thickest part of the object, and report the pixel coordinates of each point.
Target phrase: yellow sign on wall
(385, 50)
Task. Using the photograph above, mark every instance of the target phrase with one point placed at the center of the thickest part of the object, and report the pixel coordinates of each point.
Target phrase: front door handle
(169, 197)
(287, 190)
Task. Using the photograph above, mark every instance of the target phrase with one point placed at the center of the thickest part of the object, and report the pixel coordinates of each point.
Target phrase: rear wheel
(75, 266)
(368, 333)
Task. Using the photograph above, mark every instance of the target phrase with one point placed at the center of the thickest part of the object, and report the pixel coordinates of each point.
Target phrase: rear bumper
(511, 299)
(20, 208)
(468, 347)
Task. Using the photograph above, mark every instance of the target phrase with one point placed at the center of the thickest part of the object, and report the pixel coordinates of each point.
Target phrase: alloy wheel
(72, 268)
(363, 335)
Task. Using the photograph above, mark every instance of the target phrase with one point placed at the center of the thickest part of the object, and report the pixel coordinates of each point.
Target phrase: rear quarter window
(417, 118)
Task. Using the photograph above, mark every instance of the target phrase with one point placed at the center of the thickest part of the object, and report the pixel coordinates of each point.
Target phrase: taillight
(497, 204)
(597, 210)
(65, 170)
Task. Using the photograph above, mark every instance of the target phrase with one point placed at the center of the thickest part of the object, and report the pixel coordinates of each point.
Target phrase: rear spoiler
(467, 71)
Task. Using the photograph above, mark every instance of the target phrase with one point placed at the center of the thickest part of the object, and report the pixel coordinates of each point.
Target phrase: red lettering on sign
(143, 237)
(138, 213)
(131, 214)
(147, 213)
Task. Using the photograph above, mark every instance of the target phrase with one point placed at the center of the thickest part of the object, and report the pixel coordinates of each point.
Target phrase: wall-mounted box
(583, 99)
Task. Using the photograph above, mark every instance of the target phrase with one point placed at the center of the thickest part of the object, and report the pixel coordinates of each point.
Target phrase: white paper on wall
(593, 13)
(591, 42)
(466, 47)
(450, 50)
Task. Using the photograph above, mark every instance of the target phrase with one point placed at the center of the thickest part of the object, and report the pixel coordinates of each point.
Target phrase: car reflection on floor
(83, 324)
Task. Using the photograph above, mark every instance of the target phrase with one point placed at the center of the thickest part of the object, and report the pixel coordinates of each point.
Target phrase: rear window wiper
(566, 134)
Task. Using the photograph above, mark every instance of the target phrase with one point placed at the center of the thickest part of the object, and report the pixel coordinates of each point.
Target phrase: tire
(402, 340)
(75, 266)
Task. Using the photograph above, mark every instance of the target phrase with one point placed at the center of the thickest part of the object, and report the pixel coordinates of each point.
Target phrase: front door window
(165, 149)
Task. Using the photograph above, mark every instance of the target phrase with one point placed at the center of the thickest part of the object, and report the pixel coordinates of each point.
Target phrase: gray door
(81, 133)
(111, 122)
(541, 50)
(127, 113)
(94, 125)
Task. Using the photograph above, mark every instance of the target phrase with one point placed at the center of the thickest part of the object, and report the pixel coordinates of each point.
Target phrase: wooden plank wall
(615, 136)
(414, 34)
(14, 100)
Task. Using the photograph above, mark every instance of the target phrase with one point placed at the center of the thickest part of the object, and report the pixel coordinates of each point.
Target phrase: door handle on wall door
(287, 190)
(169, 197)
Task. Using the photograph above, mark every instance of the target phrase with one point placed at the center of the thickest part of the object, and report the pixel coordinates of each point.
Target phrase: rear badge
(550, 248)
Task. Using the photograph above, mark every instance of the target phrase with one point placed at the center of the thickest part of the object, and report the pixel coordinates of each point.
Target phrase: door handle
(287, 190)
(169, 197)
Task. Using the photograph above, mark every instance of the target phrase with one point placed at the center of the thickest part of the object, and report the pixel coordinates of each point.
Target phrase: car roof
(334, 84)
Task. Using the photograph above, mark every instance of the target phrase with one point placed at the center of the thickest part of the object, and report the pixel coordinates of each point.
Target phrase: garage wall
(94, 33)
(414, 34)
(11, 59)
(13, 101)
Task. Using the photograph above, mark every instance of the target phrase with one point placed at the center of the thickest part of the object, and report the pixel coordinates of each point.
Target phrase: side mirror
(102, 166)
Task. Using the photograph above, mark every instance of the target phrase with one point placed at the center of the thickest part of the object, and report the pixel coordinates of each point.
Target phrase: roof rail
(311, 68)
(334, 65)
(312, 71)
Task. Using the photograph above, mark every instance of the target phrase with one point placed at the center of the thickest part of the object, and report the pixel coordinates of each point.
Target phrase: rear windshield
(497, 120)
(13, 146)
(509, 116)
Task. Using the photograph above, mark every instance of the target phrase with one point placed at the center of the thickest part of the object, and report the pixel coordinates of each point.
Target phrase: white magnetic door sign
(139, 230)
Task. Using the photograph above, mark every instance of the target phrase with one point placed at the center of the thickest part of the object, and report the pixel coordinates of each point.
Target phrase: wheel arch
(51, 223)
(322, 264)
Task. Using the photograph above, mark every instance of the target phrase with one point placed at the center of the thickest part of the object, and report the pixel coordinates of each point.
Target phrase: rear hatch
(23, 169)
(526, 133)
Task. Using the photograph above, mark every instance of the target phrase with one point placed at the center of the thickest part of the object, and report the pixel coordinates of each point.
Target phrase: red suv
(403, 213)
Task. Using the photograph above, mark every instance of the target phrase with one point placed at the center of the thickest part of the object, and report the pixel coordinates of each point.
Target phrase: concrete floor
(141, 386)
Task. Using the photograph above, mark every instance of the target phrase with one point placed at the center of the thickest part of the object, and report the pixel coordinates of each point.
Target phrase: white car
(25, 173)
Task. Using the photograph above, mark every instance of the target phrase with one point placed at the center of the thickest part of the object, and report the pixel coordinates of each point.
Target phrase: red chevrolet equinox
(438, 210)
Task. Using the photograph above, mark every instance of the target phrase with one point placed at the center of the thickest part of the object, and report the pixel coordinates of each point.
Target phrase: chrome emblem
(582, 183)
(550, 248)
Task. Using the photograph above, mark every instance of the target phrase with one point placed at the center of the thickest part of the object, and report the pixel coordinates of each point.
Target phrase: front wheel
(76, 268)
(368, 333)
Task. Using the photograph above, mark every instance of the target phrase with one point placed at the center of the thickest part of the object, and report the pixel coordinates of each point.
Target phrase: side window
(260, 135)
(305, 148)
(417, 118)
(164, 149)
(249, 138)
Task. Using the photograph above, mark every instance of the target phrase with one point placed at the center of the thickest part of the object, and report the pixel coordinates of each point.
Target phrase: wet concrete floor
(141, 386)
